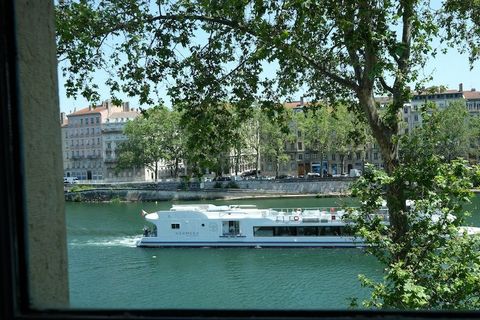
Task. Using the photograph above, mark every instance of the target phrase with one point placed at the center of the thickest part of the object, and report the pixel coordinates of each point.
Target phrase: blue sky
(447, 69)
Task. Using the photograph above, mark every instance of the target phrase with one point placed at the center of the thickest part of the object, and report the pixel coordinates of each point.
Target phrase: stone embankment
(164, 191)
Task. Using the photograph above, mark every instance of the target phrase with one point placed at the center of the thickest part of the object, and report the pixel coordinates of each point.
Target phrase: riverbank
(206, 191)
(146, 195)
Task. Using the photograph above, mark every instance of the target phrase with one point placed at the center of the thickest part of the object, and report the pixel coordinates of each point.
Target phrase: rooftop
(88, 110)
(124, 114)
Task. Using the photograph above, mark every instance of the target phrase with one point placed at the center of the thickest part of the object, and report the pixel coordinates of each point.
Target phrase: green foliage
(216, 50)
(449, 133)
(116, 200)
(80, 187)
(461, 22)
(332, 129)
(316, 125)
(154, 136)
(232, 185)
(273, 134)
(212, 55)
(211, 131)
(434, 265)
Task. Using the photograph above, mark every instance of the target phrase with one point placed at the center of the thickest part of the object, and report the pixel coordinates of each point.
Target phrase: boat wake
(126, 241)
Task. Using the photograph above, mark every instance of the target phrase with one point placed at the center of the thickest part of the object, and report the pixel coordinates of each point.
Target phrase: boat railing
(333, 213)
(303, 211)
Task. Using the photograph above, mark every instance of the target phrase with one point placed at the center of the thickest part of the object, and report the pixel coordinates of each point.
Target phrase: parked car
(250, 173)
(221, 178)
(355, 173)
(313, 175)
(70, 180)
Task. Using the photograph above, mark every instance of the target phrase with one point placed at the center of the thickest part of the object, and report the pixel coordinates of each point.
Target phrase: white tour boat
(206, 225)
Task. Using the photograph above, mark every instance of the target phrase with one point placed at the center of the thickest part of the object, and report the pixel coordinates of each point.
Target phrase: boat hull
(250, 244)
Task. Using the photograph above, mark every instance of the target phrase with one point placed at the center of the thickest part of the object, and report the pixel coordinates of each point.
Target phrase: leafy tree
(455, 131)
(246, 143)
(474, 126)
(152, 137)
(347, 133)
(461, 22)
(316, 126)
(211, 131)
(173, 142)
(440, 265)
(252, 135)
(274, 133)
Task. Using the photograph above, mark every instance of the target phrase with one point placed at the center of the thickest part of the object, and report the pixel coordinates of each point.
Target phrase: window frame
(14, 285)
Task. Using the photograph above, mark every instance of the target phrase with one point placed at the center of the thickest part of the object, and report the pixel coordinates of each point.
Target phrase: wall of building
(47, 251)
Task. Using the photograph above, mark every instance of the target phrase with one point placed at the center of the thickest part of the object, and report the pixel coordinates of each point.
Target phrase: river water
(106, 270)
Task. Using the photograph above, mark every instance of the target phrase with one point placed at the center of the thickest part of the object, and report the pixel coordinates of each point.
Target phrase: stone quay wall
(164, 191)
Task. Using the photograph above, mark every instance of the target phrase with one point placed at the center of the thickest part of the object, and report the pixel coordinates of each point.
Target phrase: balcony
(110, 160)
(117, 129)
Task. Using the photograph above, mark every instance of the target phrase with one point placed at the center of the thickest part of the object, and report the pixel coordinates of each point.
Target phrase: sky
(448, 69)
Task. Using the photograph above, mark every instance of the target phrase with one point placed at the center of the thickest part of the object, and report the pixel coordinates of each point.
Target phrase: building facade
(89, 140)
(112, 137)
(301, 161)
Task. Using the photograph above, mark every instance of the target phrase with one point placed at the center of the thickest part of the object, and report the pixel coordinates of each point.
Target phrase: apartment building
(89, 138)
(302, 161)
(112, 137)
(441, 98)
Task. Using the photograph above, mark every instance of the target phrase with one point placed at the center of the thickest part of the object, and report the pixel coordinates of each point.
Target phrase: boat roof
(218, 212)
(228, 212)
(210, 207)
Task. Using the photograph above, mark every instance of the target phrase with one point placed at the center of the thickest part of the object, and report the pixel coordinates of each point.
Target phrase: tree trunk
(156, 170)
(342, 159)
(176, 168)
(257, 162)
(385, 134)
(277, 166)
(321, 164)
(237, 161)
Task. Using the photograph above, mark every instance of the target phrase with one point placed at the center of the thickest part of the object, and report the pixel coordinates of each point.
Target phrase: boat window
(301, 231)
(175, 226)
(285, 231)
(263, 231)
(231, 228)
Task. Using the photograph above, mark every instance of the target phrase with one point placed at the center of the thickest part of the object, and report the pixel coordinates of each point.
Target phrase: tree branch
(236, 25)
(385, 85)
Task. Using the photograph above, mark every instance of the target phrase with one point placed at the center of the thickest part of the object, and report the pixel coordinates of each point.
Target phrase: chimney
(108, 105)
(301, 101)
(473, 89)
(460, 87)
(89, 107)
(126, 106)
(62, 118)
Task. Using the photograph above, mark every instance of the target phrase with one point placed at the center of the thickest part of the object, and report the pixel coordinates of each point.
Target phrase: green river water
(106, 270)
